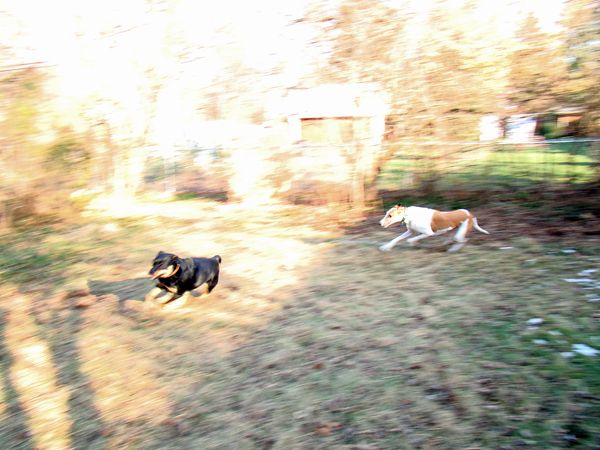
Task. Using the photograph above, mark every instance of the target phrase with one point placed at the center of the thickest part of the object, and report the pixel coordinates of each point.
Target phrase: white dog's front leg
(387, 247)
(414, 239)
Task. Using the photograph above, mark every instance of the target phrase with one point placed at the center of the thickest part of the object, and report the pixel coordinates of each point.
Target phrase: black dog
(176, 275)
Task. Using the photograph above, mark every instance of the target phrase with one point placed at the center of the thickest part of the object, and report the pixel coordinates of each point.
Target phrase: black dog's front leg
(155, 292)
(168, 297)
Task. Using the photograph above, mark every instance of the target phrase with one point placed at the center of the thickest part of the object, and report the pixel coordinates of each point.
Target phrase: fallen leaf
(85, 302)
(325, 429)
(65, 295)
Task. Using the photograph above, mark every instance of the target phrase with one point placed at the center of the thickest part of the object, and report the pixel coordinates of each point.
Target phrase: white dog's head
(394, 214)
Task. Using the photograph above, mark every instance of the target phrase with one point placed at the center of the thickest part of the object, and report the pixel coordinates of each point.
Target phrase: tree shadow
(60, 329)
(15, 427)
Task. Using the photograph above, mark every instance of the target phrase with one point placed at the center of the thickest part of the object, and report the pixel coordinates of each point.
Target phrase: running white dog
(430, 222)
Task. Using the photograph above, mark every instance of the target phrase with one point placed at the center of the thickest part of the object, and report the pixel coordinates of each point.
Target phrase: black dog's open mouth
(164, 273)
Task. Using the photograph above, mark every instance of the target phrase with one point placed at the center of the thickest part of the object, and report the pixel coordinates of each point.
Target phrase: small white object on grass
(568, 250)
(505, 248)
(579, 280)
(540, 341)
(535, 321)
(585, 350)
(587, 272)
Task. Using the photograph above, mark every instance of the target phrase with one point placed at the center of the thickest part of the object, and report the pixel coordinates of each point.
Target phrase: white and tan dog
(430, 222)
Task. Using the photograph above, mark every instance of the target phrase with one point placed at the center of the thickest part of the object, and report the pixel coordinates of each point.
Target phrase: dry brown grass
(312, 339)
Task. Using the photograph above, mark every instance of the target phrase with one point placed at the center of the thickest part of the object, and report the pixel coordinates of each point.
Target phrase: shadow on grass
(385, 351)
(60, 332)
(24, 265)
(553, 206)
(133, 289)
(369, 350)
(15, 426)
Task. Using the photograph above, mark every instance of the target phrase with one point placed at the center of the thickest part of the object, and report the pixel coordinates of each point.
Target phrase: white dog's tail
(477, 227)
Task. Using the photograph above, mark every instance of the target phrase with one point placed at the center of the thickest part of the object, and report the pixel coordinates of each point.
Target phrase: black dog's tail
(218, 258)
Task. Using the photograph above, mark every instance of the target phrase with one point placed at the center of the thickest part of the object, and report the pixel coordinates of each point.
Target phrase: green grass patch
(216, 196)
(485, 168)
(25, 259)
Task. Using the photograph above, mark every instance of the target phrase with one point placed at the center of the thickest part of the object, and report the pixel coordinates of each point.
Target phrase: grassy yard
(497, 167)
(312, 340)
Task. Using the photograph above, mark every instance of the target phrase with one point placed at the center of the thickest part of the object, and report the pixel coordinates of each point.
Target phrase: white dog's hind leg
(460, 237)
(387, 247)
(462, 231)
(457, 246)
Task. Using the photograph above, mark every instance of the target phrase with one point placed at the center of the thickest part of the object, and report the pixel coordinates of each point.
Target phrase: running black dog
(176, 275)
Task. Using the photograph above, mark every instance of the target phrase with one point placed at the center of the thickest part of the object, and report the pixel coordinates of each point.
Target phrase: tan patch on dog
(449, 219)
